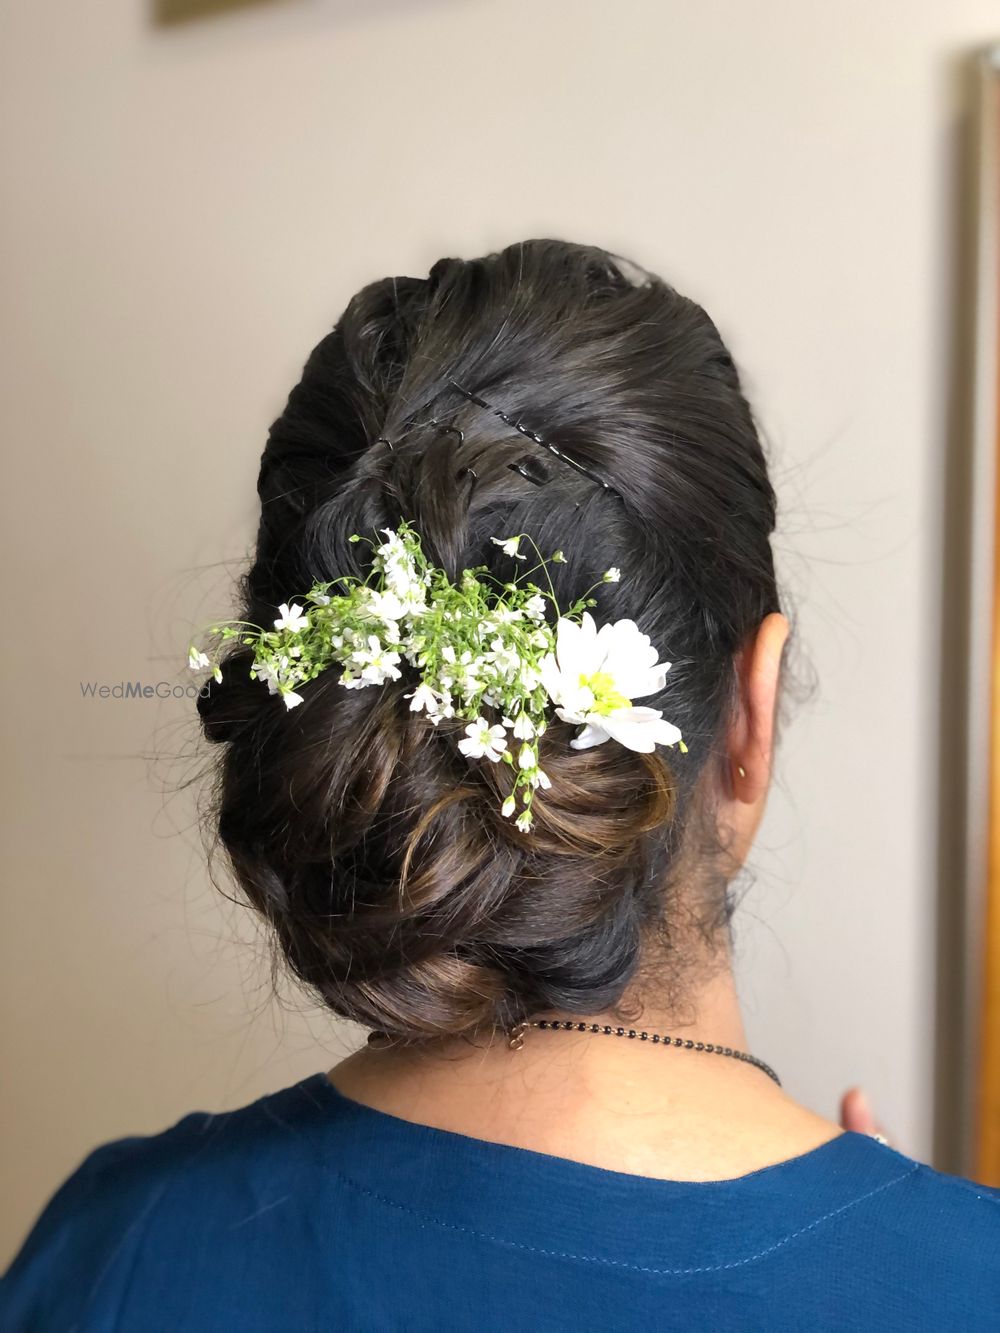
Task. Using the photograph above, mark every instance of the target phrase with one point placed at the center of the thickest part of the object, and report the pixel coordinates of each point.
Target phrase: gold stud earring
(741, 770)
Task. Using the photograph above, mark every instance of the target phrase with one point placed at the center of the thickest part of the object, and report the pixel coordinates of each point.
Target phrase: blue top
(306, 1211)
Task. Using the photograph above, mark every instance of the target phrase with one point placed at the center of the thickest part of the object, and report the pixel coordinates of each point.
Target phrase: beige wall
(186, 213)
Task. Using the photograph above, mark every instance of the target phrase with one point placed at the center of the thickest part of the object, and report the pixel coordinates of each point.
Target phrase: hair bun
(374, 850)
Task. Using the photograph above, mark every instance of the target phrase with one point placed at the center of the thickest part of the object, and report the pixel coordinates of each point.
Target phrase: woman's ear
(750, 742)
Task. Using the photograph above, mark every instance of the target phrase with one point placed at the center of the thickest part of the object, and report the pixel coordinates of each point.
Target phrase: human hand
(856, 1114)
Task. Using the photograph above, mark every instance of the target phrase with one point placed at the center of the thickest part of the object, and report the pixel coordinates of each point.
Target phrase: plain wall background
(186, 212)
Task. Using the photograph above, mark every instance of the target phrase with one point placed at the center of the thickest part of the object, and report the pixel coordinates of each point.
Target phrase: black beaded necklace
(517, 1033)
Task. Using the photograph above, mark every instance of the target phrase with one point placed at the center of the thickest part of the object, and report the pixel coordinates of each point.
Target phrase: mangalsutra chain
(516, 1040)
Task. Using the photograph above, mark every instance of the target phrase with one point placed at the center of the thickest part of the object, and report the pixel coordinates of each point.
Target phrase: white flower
(446, 709)
(217, 673)
(535, 607)
(393, 549)
(386, 606)
(524, 728)
(507, 809)
(483, 740)
(509, 545)
(423, 698)
(292, 700)
(352, 681)
(413, 599)
(540, 779)
(613, 575)
(527, 758)
(291, 618)
(523, 821)
(321, 599)
(264, 671)
(197, 660)
(529, 678)
(378, 663)
(593, 677)
(465, 674)
(504, 657)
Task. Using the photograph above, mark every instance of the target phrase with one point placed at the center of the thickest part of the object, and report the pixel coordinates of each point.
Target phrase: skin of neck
(617, 1103)
(607, 1101)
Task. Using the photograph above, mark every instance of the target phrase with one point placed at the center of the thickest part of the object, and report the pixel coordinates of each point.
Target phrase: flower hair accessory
(480, 650)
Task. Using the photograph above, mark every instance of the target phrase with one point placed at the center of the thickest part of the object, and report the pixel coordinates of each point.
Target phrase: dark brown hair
(371, 846)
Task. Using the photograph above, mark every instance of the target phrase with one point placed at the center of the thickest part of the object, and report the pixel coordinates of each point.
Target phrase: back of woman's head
(373, 848)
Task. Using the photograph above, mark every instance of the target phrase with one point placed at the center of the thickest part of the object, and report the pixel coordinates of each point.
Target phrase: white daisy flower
(483, 741)
(593, 676)
(291, 618)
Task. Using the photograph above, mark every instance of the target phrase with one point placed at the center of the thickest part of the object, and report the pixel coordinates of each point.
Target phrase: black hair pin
(520, 467)
(535, 438)
(442, 429)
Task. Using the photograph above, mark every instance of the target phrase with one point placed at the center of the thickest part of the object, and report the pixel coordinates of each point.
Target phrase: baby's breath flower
(377, 662)
(386, 606)
(477, 649)
(483, 740)
(523, 727)
(510, 545)
(291, 618)
(265, 671)
(423, 698)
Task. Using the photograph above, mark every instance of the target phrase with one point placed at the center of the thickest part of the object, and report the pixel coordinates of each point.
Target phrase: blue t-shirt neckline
(548, 1205)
